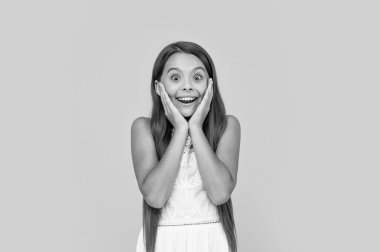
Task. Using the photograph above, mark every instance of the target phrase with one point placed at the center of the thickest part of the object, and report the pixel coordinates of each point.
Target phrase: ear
(156, 87)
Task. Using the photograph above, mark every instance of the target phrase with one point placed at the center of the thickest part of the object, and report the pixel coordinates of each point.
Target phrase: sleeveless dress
(189, 221)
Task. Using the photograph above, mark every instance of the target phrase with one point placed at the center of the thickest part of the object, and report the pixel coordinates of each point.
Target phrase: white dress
(189, 220)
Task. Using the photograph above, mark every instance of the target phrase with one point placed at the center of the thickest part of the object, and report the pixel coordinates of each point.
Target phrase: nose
(187, 85)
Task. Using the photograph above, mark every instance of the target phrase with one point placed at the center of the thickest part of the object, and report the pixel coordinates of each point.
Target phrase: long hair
(213, 127)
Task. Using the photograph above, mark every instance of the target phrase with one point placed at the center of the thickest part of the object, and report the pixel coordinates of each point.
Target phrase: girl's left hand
(203, 108)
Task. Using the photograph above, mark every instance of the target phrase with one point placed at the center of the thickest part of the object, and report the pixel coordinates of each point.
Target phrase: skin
(218, 170)
(185, 75)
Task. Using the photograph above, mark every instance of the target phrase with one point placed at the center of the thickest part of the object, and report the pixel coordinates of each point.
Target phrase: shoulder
(231, 136)
(232, 119)
(140, 122)
(141, 125)
(233, 123)
(233, 130)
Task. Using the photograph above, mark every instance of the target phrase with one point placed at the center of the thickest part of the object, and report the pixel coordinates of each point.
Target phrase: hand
(171, 112)
(203, 108)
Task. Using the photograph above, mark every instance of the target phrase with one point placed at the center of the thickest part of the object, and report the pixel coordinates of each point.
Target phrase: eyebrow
(175, 68)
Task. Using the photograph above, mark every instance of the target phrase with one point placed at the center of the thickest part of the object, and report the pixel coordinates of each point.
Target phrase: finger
(211, 84)
(210, 92)
(157, 84)
(207, 93)
(166, 97)
(210, 99)
(211, 88)
(208, 86)
(168, 102)
(163, 98)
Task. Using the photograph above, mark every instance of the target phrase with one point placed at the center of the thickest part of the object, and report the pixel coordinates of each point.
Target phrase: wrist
(195, 127)
(182, 128)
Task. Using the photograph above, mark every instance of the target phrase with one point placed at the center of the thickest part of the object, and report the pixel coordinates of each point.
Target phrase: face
(184, 75)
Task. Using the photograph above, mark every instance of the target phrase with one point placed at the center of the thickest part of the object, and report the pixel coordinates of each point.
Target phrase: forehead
(183, 61)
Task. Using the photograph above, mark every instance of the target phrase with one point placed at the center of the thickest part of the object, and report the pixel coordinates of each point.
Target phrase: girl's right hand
(171, 112)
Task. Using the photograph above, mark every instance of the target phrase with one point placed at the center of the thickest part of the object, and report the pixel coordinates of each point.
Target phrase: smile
(187, 100)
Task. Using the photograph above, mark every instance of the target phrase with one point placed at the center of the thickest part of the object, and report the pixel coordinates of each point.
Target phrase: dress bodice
(188, 201)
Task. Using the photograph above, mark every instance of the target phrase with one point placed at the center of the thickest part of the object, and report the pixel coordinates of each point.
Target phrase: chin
(187, 114)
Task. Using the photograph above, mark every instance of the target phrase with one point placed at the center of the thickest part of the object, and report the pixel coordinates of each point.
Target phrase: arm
(155, 178)
(218, 170)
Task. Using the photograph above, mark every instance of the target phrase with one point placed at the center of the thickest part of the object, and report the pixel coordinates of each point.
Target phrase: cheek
(203, 92)
(170, 92)
(204, 88)
(172, 97)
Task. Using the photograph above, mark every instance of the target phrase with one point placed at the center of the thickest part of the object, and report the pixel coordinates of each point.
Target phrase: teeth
(186, 99)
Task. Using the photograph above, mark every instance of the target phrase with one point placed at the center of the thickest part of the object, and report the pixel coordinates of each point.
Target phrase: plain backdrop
(302, 77)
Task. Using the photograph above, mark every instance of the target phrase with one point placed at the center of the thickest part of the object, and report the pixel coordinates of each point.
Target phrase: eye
(198, 77)
(174, 77)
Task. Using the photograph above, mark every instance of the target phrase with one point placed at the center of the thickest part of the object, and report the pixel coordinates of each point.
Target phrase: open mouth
(187, 100)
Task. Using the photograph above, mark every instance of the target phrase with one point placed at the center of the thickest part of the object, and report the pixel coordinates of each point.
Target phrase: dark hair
(161, 128)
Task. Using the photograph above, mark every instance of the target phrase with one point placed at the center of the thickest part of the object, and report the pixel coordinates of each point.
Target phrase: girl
(185, 157)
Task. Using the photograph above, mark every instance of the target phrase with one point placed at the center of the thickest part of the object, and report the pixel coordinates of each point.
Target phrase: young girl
(185, 157)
